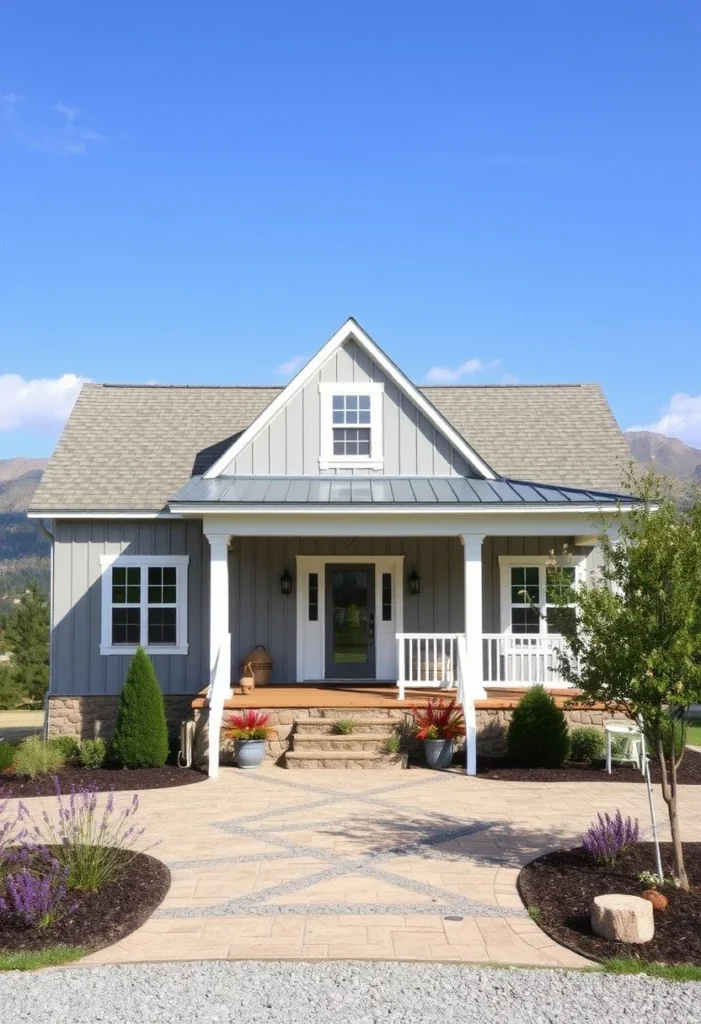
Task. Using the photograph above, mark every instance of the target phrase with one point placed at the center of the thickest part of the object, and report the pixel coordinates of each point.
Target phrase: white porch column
(219, 641)
(472, 552)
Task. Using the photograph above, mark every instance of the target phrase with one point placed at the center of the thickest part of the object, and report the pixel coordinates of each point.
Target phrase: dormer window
(351, 426)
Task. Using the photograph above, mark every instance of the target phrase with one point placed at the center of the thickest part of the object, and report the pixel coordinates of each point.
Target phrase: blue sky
(203, 192)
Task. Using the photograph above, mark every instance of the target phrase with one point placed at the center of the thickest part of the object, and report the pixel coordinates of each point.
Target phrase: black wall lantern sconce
(286, 583)
(414, 582)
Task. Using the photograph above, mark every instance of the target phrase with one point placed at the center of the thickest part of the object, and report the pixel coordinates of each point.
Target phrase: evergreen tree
(141, 735)
(25, 634)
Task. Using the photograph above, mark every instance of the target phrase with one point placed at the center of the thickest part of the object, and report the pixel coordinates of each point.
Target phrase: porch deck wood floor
(360, 695)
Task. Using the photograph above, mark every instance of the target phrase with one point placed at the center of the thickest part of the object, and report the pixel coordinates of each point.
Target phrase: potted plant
(439, 724)
(249, 730)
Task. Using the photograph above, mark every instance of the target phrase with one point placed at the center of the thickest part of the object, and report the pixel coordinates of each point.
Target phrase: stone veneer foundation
(87, 717)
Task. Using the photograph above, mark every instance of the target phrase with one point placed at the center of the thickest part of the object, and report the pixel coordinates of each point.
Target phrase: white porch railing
(521, 658)
(427, 660)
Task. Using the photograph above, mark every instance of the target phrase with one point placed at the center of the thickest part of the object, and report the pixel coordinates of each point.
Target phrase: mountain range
(667, 454)
(24, 550)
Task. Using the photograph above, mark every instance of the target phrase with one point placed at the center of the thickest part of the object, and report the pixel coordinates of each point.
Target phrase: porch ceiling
(380, 491)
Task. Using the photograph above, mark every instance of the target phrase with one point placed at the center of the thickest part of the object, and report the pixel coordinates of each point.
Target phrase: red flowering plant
(248, 725)
(439, 720)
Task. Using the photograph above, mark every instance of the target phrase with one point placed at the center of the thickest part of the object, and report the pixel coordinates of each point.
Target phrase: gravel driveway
(338, 993)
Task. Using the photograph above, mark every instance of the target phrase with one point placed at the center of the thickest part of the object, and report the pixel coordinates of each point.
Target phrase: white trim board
(351, 330)
(311, 636)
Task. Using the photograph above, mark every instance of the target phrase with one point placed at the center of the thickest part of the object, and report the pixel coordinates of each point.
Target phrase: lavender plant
(11, 831)
(608, 837)
(35, 887)
(90, 841)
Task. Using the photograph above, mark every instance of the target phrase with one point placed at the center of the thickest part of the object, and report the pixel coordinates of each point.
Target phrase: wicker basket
(259, 664)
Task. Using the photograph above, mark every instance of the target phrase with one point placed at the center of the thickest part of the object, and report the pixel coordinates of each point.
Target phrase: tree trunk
(669, 794)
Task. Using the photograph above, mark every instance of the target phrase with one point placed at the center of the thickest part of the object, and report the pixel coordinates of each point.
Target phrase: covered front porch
(371, 620)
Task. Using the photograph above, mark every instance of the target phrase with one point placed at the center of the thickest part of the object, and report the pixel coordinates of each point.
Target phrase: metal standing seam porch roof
(287, 491)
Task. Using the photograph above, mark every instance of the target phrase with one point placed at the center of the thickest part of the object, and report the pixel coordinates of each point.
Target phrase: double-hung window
(144, 603)
(536, 595)
(351, 426)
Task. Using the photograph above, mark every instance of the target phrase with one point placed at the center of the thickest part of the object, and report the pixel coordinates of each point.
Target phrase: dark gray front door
(350, 621)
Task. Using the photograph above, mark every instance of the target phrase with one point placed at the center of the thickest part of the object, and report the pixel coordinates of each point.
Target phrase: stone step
(364, 759)
(316, 726)
(336, 741)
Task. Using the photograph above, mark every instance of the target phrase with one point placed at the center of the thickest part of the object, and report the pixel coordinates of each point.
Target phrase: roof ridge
(281, 387)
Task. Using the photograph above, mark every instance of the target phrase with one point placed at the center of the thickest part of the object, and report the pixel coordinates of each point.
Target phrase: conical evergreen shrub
(141, 736)
(538, 736)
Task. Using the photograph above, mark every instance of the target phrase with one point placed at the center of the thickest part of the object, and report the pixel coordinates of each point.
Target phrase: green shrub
(587, 744)
(34, 757)
(92, 754)
(141, 734)
(538, 736)
(7, 756)
(67, 745)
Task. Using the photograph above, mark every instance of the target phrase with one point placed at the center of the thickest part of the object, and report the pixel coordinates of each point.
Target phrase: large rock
(622, 918)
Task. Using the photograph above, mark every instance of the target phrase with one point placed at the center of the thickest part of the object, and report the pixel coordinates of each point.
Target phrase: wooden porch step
(339, 741)
(364, 759)
(372, 724)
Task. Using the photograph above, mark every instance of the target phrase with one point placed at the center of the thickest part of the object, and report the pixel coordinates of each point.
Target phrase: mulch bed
(97, 919)
(501, 769)
(104, 779)
(563, 884)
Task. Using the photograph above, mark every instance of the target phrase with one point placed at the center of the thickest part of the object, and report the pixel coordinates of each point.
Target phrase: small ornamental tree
(538, 736)
(635, 642)
(141, 735)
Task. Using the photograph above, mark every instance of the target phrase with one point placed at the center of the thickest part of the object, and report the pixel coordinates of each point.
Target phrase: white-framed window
(533, 593)
(351, 426)
(144, 603)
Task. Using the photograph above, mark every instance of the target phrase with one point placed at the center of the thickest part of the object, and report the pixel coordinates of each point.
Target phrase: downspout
(51, 539)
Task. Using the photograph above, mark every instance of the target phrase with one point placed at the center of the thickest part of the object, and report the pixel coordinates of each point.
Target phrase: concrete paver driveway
(356, 865)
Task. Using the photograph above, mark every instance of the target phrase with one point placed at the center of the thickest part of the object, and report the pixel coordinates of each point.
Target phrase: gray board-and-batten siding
(259, 612)
(290, 443)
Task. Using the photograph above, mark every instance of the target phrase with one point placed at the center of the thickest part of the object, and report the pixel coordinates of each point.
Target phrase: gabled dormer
(351, 410)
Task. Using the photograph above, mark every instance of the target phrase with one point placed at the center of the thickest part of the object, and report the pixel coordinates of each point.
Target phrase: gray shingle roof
(453, 491)
(131, 448)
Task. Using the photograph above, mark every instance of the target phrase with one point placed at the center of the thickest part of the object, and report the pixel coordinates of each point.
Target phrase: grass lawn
(673, 972)
(32, 960)
(693, 733)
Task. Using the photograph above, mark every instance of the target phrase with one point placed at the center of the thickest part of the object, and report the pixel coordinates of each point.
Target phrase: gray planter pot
(438, 753)
(249, 753)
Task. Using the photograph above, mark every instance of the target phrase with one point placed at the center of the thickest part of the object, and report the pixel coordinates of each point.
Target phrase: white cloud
(449, 375)
(8, 102)
(681, 418)
(291, 366)
(70, 113)
(42, 404)
(509, 378)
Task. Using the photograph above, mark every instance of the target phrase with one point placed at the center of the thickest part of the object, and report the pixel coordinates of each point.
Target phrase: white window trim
(311, 634)
(181, 565)
(327, 459)
(540, 562)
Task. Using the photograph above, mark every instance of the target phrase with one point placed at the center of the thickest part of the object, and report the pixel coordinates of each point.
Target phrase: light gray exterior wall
(260, 614)
(289, 445)
(77, 667)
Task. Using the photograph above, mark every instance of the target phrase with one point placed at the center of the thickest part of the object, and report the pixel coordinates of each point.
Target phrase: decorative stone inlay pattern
(422, 838)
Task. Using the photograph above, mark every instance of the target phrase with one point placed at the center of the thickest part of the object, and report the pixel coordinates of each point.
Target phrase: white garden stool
(635, 748)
